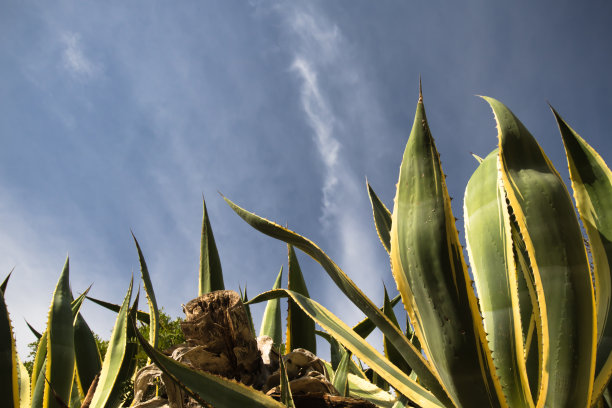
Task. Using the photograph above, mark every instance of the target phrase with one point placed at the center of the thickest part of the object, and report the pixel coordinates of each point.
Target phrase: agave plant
(526, 326)
(534, 331)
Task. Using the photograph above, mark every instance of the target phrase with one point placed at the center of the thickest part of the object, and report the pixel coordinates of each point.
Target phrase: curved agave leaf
(490, 249)
(367, 326)
(9, 386)
(211, 275)
(356, 344)
(412, 356)
(300, 328)
(207, 388)
(142, 316)
(432, 277)
(550, 230)
(382, 219)
(148, 285)
(114, 359)
(271, 323)
(59, 370)
(592, 184)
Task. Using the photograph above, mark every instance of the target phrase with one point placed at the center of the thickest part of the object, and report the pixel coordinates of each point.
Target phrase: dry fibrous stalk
(219, 338)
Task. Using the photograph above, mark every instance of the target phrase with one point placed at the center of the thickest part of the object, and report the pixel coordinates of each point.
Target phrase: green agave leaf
(559, 263)
(358, 346)
(34, 331)
(39, 362)
(300, 328)
(24, 384)
(207, 388)
(211, 275)
(114, 359)
(490, 249)
(271, 323)
(337, 353)
(362, 388)
(5, 281)
(59, 371)
(285, 389)
(390, 351)
(245, 298)
(365, 327)
(148, 286)
(41, 351)
(592, 184)
(9, 385)
(87, 355)
(413, 356)
(432, 277)
(341, 376)
(382, 218)
(142, 316)
(38, 390)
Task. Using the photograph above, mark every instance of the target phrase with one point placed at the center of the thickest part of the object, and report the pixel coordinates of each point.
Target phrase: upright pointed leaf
(9, 385)
(114, 358)
(341, 376)
(550, 229)
(148, 286)
(5, 281)
(300, 328)
(490, 248)
(60, 344)
(432, 277)
(211, 275)
(592, 184)
(413, 356)
(382, 219)
(271, 323)
(87, 355)
(206, 387)
(35, 332)
(24, 384)
(285, 389)
(245, 298)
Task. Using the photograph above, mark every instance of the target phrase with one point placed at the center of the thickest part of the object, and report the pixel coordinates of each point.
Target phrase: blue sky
(120, 115)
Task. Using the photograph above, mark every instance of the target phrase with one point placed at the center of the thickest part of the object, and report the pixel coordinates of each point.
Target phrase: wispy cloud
(320, 53)
(74, 58)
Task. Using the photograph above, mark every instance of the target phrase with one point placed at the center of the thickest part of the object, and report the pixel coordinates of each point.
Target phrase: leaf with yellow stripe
(432, 277)
(358, 346)
(59, 371)
(549, 227)
(382, 218)
(491, 252)
(211, 274)
(300, 328)
(9, 385)
(592, 184)
(426, 375)
(271, 323)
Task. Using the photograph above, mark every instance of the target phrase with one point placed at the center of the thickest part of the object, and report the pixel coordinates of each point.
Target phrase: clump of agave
(530, 330)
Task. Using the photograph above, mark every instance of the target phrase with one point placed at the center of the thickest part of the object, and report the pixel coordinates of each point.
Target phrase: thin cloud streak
(74, 58)
(320, 54)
